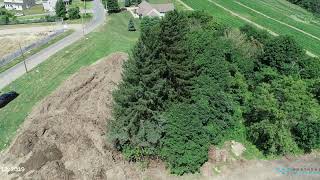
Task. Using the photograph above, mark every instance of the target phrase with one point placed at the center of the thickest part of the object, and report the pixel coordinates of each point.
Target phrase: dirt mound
(64, 136)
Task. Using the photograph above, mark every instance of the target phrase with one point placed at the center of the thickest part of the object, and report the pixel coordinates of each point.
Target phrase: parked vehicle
(7, 98)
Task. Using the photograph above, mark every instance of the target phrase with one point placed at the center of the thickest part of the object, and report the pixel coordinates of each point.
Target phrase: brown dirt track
(65, 138)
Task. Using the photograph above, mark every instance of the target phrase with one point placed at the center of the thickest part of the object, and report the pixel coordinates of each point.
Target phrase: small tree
(131, 26)
(4, 19)
(74, 13)
(61, 10)
(127, 3)
(113, 6)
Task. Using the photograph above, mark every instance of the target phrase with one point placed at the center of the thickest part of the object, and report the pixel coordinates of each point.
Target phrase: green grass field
(81, 5)
(37, 9)
(44, 79)
(278, 16)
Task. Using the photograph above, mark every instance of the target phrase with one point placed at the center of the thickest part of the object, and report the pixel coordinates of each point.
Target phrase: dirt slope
(65, 134)
(65, 138)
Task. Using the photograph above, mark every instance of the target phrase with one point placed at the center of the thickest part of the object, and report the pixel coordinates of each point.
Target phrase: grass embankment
(82, 5)
(44, 79)
(35, 50)
(37, 9)
(276, 15)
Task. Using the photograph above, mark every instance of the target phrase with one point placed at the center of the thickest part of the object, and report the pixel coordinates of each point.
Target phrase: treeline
(311, 5)
(191, 82)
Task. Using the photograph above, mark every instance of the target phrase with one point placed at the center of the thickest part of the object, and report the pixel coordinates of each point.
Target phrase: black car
(7, 98)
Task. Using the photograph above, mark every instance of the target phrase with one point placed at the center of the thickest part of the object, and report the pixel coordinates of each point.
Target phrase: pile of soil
(65, 138)
(65, 135)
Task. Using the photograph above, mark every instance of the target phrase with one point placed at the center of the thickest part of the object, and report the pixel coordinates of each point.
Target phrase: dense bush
(307, 134)
(60, 9)
(112, 6)
(74, 13)
(311, 5)
(186, 142)
(191, 82)
(5, 16)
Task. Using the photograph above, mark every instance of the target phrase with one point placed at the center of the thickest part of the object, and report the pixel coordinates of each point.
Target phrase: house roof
(147, 9)
(144, 8)
(163, 7)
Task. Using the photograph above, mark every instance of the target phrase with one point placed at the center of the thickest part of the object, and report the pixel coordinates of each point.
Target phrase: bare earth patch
(11, 41)
(65, 138)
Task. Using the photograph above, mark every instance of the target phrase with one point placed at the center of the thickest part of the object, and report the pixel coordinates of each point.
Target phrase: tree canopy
(192, 82)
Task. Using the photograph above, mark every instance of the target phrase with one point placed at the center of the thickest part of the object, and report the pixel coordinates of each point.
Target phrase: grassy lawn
(34, 51)
(31, 17)
(280, 10)
(44, 79)
(80, 4)
(160, 1)
(37, 9)
(86, 18)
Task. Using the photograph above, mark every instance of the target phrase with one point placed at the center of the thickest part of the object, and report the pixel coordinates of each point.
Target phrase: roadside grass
(86, 18)
(31, 17)
(283, 12)
(81, 5)
(35, 50)
(37, 9)
(41, 81)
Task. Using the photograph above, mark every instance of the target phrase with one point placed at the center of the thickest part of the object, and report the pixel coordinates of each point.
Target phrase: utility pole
(84, 3)
(24, 59)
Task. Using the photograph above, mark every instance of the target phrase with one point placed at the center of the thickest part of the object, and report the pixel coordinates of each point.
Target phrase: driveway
(17, 71)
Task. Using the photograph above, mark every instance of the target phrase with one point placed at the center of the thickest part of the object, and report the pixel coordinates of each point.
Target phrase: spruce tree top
(113, 6)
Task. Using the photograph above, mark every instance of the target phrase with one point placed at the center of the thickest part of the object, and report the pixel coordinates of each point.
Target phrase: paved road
(17, 71)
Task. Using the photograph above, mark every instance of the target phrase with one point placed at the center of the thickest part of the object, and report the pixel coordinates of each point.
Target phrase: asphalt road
(18, 70)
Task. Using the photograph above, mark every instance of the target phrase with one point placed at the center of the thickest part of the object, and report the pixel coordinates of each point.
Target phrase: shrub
(185, 145)
(307, 134)
(112, 6)
(127, 3)
(74, 13)
(61, 10)
(131, 25)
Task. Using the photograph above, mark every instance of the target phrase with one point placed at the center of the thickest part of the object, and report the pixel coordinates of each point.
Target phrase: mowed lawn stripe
(283, 23)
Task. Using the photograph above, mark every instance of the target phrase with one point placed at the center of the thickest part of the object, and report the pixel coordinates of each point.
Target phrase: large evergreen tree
(113, 6)
(127, 3)
(175, 66)
(61, 10)
(156, 74)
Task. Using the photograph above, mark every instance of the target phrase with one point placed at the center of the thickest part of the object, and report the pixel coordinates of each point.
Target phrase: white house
(18, 4)
(147, 9)
(49, 5)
